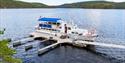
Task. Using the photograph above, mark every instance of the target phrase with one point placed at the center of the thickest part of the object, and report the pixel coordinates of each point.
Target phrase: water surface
(110, 25)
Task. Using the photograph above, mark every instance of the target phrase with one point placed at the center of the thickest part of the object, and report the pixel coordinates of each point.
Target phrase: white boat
(62, 29)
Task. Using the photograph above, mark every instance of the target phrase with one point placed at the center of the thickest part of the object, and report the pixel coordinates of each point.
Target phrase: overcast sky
(59, 2)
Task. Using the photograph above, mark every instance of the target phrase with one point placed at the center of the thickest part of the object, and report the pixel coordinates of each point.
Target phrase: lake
(109, 23)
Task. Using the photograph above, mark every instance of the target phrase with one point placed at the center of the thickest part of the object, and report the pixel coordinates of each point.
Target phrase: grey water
(110, 25)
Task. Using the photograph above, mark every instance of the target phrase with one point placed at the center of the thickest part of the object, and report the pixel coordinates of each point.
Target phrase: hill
(95, 4)
(87, 4)
(20, 4)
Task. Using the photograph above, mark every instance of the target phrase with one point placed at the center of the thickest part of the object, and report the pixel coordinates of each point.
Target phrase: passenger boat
(62, 29)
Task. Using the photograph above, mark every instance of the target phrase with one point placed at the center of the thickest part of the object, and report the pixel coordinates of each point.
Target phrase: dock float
(15, 44)
(22, 41)
(47, 48)
(28, 47)
(25, 39)
(101, 44)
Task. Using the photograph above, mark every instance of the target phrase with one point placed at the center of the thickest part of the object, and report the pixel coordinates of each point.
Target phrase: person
(65, 28)
(65, 31)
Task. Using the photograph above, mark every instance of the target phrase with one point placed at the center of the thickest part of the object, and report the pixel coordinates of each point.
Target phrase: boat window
(72, 32)
(69, 28)
(56, 24)
(40, 24)
(60, 27)
(49, 22)
(80, 34)
(76, 32)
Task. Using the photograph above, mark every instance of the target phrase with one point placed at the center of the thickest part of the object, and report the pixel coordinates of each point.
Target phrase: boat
(62, 29)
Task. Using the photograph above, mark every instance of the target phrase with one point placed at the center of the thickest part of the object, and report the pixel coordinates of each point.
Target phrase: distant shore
(86, 5)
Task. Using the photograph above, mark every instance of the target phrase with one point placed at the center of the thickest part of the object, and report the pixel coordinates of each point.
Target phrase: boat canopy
(49, 19)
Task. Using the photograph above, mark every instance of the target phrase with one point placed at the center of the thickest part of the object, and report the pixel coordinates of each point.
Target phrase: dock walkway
(102, 44)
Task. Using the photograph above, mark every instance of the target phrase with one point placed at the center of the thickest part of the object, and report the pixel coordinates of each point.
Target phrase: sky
(59, 2)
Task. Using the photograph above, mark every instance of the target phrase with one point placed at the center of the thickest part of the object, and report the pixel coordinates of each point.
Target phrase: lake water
(110, 25)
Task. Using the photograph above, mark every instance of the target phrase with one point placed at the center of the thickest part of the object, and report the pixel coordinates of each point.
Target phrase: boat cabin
(49, 23)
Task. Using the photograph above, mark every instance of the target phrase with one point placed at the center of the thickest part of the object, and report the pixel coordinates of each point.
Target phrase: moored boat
(58, 27)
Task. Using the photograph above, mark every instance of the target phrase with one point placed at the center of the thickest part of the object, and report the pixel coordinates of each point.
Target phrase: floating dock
(59, 41)
(79, 43)
(22, 41)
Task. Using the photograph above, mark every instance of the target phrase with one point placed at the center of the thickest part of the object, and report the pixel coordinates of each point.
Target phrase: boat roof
(49, 19)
